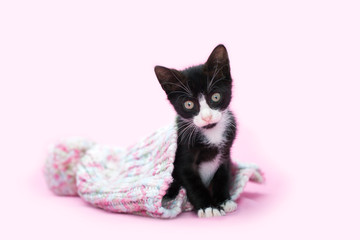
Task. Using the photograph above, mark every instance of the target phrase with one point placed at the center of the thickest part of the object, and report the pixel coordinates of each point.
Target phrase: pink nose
(206, 118)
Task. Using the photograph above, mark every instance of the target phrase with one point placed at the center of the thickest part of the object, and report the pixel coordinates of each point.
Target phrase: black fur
(193, 149)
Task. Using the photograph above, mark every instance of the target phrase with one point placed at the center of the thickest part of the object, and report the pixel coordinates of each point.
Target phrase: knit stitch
(132, 180)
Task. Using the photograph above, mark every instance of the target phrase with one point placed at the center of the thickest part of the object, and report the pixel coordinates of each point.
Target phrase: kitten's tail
(61, 165)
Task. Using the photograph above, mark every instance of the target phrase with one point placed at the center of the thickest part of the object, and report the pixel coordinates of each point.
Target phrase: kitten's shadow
(252, 196)
(247, 149)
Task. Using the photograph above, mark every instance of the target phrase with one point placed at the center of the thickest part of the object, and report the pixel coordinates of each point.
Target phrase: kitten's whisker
(172, 92)
(186, 89)
(220, 79)
(183, 131)
(186, 135)
(214, 75)
(189, 137)
(190, 142)
(183, 128)
(193, 135)
(187, 132)
(177, 99)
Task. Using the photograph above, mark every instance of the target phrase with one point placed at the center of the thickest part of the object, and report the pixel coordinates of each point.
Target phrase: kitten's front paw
(229, 206)
(210, 212)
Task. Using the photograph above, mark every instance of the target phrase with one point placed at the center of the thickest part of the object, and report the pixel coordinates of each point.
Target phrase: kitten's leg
(221, 188)
(173, 190)
(198, 195)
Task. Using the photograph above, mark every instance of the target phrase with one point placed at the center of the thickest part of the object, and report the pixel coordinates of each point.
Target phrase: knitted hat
(132, 180)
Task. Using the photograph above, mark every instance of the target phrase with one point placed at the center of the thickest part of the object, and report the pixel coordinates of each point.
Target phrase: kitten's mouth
(209, 126)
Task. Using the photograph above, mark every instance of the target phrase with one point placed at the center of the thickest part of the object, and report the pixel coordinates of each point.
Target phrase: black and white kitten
(206, 131)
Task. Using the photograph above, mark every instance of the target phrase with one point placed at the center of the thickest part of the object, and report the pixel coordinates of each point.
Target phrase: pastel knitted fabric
(132, 180)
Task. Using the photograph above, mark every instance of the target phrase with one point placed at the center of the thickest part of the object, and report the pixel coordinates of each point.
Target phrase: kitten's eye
(216, 97)
(189, 105)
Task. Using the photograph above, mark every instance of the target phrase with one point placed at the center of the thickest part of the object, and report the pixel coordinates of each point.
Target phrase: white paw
(229, 206)
(210, 212)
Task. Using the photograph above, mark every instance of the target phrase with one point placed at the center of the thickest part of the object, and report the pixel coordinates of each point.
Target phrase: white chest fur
(216, 135)
(208, 169)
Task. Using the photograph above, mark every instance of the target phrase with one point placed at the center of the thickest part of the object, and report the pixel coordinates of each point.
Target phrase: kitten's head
(201, 93)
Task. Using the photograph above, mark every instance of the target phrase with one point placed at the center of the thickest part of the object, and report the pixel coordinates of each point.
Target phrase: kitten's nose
(206, 117)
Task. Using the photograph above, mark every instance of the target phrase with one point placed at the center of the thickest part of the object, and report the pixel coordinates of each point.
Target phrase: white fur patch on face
(216, 135)
(206, 115)
(208, 169)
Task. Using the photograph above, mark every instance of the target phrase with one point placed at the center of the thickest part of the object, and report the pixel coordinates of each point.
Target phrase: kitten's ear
(170, 79)
(219, 61)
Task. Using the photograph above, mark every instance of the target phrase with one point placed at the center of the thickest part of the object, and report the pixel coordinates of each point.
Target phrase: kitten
(206, 131)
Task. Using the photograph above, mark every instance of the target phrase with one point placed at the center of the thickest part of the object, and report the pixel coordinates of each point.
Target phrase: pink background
(85, 68)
